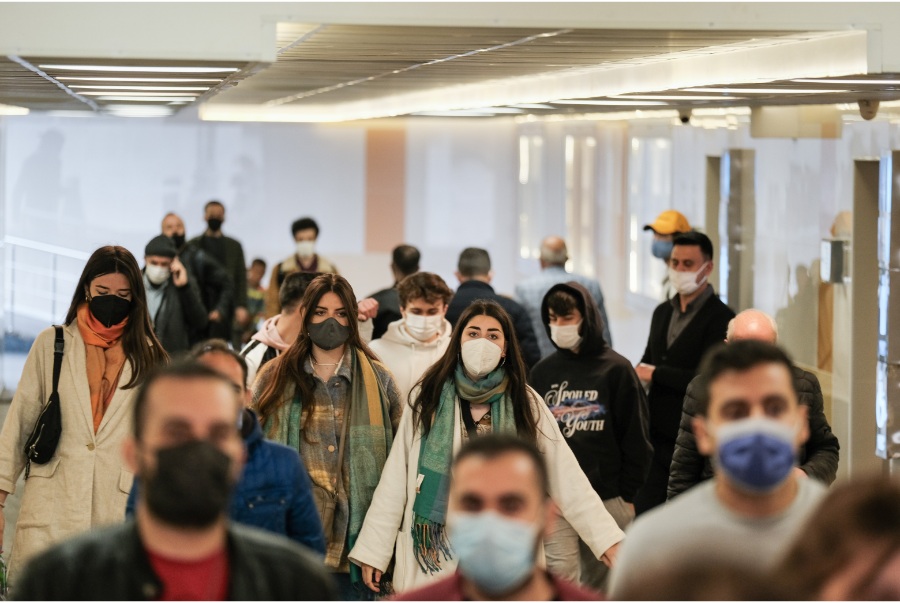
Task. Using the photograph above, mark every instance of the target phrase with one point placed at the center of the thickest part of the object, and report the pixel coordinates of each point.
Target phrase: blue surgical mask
(756, 454)
(494, 552)
(661, 249)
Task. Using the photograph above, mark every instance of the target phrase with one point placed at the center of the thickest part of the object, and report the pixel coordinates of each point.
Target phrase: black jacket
(818, 457)
(599, 403)
(388, 310)
(215, 286)
(677, 365)
(472, 290)
(233, 262)
(181, 316)
(111, 564)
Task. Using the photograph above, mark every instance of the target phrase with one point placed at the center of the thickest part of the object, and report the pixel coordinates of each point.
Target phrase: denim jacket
(274, 492)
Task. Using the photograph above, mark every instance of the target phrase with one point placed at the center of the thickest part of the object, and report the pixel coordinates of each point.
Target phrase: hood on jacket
(396, 333)
(592, 341)
(269, 335)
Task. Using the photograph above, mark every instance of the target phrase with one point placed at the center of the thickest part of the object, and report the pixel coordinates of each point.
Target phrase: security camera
(868, 109)
(684, 115)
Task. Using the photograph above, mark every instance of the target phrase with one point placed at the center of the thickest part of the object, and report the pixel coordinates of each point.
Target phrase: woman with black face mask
(331, 399)
(109, 348)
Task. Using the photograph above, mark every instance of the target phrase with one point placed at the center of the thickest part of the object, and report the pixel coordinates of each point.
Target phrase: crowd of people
(222, 440)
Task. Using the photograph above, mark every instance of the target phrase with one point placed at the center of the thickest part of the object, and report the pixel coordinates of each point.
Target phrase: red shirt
(201, 580)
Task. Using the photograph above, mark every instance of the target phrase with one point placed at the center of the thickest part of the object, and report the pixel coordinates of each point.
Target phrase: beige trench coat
(85, 484)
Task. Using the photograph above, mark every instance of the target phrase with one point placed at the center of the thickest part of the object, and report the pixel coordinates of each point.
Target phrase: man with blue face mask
(497, 515)
(752, 425)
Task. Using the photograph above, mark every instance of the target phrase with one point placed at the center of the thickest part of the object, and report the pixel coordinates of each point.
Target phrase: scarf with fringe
(436, 454)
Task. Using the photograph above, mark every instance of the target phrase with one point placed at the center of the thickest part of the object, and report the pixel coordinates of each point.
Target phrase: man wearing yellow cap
(665, 227)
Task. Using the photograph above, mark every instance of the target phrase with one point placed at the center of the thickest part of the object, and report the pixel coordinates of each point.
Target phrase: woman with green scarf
(477, 387)
(328, 397)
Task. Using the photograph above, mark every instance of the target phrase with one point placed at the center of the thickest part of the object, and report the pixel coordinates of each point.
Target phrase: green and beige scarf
(436, 454)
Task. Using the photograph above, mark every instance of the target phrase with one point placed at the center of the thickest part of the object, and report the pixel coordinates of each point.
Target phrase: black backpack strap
(59, 345)
(250, 347)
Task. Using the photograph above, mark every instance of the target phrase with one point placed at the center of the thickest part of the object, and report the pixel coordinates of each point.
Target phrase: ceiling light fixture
(146, 99)
(158, 80)
(672, 97)
(12, 110)
(533, 106)
(870, 82)
(136, 69)
(610, 103)
(144, 88)
(192, 95)
(762, 90)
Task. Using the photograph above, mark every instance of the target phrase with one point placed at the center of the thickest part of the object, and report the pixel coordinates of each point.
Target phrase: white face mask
(157, 274)
(566, 336)
(480, 356)
(423, 327)
(306, 249)
(686, 282)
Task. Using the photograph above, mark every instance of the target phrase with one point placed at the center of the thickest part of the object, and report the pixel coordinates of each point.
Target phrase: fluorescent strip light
(146, 99)
(533, 106)
(870, 82)
(497, 110)
(12, 110)
(135, 69)
(672, 97)
(108, 92)
(144, 88)
(460, 113)
(762, 90)
(158, 80)
(609, 103)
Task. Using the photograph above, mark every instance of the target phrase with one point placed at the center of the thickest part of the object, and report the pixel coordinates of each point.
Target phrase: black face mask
(215, 224)
(191, 486)
(328, 334)
(178, 239)
(109, 309)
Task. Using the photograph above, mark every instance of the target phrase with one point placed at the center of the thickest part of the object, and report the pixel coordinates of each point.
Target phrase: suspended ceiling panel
(344, 63)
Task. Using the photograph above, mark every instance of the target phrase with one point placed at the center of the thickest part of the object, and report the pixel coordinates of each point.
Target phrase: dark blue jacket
(274, 492)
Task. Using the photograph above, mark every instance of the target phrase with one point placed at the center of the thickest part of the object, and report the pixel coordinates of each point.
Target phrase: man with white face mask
(601, 409)
(497, 514)
(681, 330)
(305, 259)
(753, 426)
(173, 299)
(413, 343)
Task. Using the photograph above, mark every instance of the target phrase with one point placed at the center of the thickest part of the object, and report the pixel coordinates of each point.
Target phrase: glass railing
(38, 283)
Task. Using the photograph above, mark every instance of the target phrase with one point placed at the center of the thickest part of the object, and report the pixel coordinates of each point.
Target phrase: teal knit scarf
(436, 454)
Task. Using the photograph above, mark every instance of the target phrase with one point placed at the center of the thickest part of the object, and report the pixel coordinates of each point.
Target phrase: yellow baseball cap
(669, 222)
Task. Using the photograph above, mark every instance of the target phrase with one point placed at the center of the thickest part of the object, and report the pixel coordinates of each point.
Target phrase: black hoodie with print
(598, 402)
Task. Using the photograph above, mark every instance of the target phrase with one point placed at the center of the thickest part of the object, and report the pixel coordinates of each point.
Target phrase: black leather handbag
(41, 444)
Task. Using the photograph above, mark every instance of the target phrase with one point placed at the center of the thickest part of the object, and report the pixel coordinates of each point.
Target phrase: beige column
(385, 188)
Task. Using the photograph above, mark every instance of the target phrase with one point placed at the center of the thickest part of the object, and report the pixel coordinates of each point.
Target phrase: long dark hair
(425, 404)
(288, 367)
(142, 349)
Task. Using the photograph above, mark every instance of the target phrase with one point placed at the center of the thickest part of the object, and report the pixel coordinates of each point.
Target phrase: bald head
(172, 225)
(752, 324)
(553, 251)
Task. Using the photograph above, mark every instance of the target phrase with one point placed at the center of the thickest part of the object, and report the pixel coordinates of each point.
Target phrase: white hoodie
(408, 358)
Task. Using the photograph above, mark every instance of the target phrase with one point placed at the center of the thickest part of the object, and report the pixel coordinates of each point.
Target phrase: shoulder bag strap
(58, 347)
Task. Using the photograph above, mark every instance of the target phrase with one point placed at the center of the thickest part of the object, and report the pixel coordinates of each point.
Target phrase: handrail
(54, 249)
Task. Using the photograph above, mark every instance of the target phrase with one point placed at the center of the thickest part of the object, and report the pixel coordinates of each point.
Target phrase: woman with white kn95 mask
(477, 387)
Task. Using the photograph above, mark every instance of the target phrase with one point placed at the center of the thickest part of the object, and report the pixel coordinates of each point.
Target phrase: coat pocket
(45, 470)
(126, 480)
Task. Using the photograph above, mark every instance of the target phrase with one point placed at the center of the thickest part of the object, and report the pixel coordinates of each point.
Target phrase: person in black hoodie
(597, 398)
